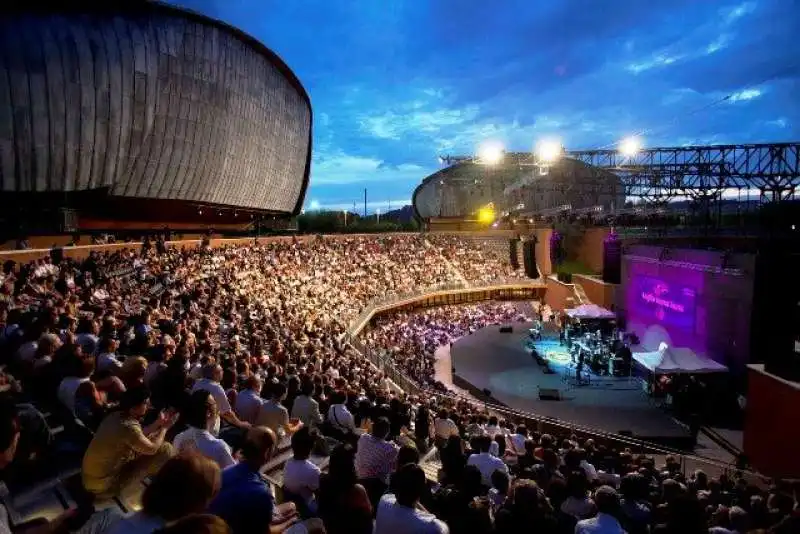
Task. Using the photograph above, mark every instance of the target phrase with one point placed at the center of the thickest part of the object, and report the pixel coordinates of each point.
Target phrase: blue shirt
(245, 501)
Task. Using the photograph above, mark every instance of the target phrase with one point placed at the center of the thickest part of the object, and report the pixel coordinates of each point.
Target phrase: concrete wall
(559, 295)
(772, 424)
(543, 251)
(598, 292)
(590, 251)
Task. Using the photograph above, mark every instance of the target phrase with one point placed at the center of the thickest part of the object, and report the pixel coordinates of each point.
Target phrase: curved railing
(381, 303)
(384, 362)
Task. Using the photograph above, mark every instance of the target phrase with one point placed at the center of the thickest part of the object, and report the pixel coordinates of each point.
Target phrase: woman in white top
(202, 416)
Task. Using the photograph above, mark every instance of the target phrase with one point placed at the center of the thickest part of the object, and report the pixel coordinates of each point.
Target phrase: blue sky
(395, 83)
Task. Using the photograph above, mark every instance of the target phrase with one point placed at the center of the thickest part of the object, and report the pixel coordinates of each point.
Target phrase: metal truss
(702, 173)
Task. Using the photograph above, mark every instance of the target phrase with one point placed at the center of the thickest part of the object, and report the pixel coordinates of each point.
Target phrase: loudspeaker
(529, 257)
(513, 245)
(549, 394)
(612, 259)
(506, 329)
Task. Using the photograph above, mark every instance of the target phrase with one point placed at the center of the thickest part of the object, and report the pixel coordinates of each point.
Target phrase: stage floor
(499, 362)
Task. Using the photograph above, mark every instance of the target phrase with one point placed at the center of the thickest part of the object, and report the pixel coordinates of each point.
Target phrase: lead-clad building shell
(149, 101)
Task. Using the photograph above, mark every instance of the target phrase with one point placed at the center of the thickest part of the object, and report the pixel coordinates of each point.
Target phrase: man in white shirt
(518, 440)
(300, 475)
(444, 427)
(485, 462)
(493, 428)
(339, 416)
(249, 401)
(400, 512)
(607, 502)
(212, 374)
(201, 416)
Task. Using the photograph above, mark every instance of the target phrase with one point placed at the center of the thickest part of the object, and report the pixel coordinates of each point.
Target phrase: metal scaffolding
(699, 173)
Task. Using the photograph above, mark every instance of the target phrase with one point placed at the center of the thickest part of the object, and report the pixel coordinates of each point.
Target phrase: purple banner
(664, 303)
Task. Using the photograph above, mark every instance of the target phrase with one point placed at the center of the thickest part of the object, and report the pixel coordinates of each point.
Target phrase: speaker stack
(513, 246)
(529, 257)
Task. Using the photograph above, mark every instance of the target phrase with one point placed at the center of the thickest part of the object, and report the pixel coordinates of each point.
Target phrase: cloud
(661, 60)
(340, 169)
(718, 44)
(780, 122)
(745, 94)
(398, 124)
(737, 12)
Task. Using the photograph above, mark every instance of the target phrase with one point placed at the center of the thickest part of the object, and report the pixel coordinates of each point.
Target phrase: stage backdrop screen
(663, 302)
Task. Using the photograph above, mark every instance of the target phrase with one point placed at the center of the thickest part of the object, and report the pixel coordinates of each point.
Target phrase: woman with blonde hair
(133, 371)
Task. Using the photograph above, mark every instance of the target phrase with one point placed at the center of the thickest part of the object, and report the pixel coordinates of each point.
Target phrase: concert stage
(502, 364)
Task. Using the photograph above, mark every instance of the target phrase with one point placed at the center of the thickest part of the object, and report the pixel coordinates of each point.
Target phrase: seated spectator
(305, 409)
(300, 475)
(212, 375)
(527, 505)
(451, 501)
(400, 512)
(184, 486)
(274, 415)
(443, 428)
(9, 440)
(518, 440)
(107, 360)
(122, 452)
(376, 459)
(453, 460)
(500, 484)
(605, 521)
(245, 501)
(578, 504)
(202, 417)
(249, 401)
(339, 417)
(343, 503)
(485, 462)
(133, 371)
(79, 394)
(635, 512)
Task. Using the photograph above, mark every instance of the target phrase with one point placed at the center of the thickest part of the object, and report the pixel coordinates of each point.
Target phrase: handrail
(376, 304)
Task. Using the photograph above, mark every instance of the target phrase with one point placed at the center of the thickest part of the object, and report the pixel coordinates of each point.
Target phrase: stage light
(549, 151)
(490, 153)
(486, 215)
(630, 146)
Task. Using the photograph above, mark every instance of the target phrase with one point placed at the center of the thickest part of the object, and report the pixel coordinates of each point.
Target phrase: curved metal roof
(148, 100)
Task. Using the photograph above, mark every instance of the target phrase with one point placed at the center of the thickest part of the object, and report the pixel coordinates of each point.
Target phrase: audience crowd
(411, 339)
(179, 377)
(479, 260)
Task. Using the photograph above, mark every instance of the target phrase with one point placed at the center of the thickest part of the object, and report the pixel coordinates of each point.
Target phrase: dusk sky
(395, 83)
